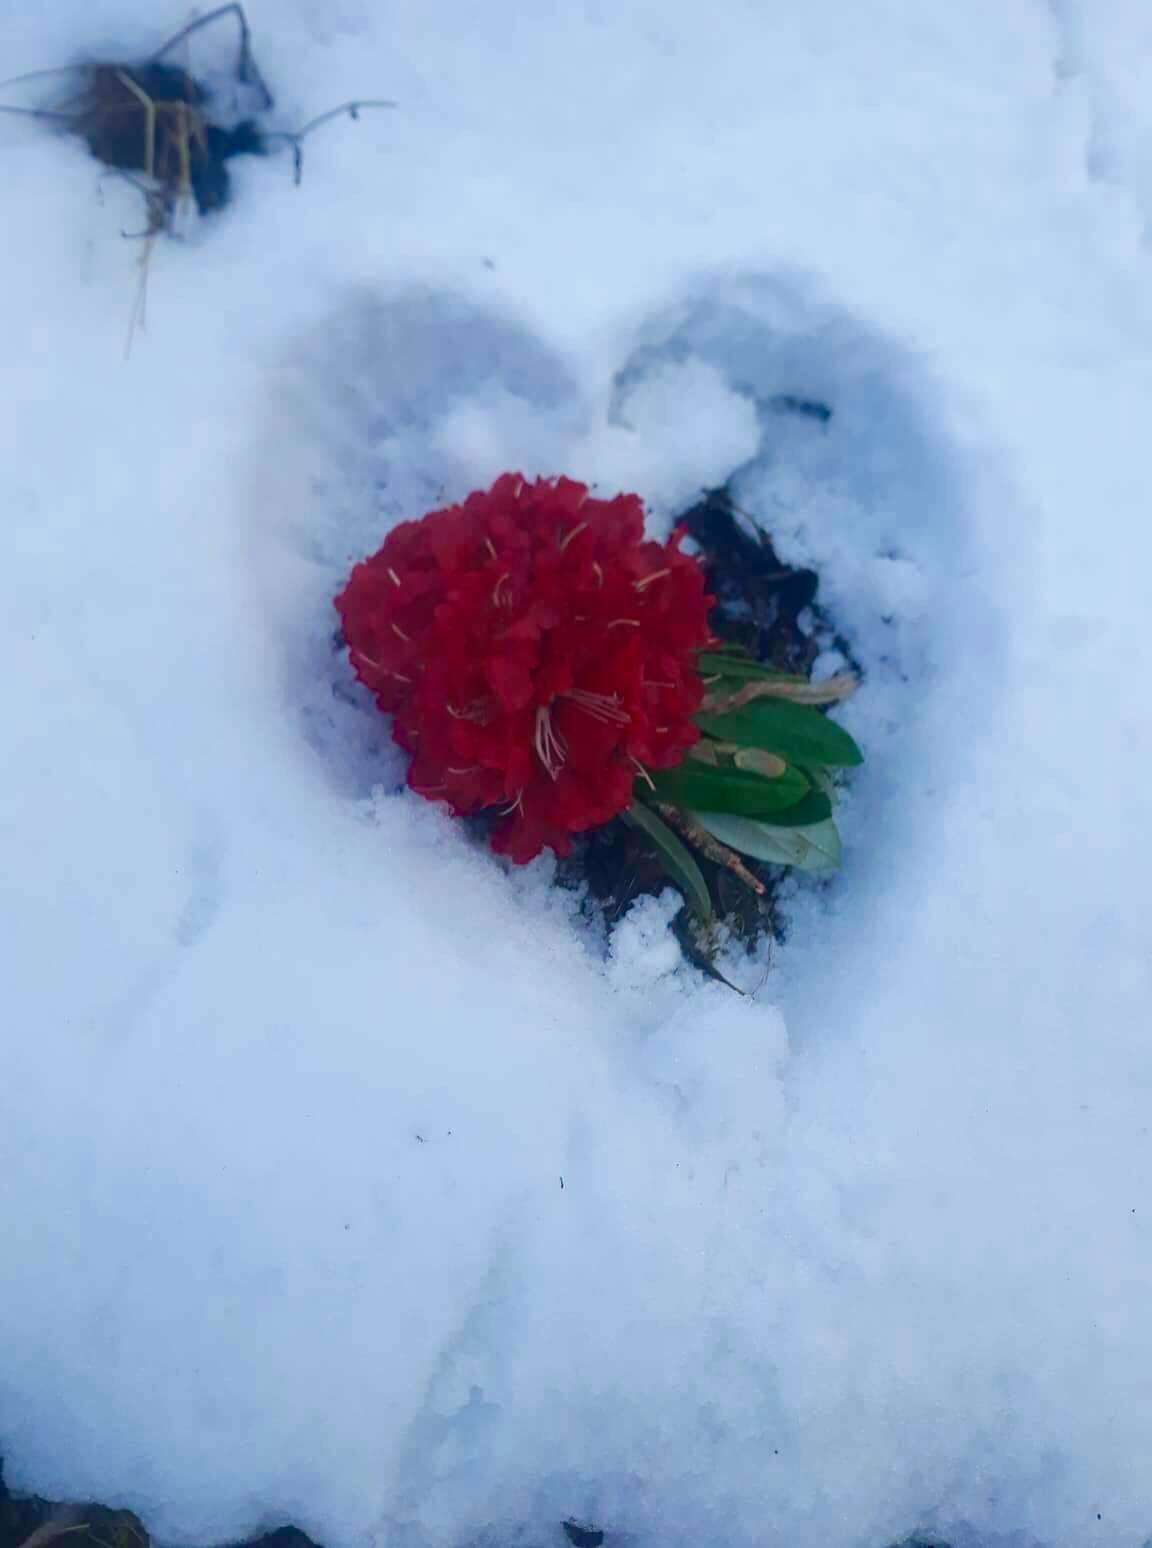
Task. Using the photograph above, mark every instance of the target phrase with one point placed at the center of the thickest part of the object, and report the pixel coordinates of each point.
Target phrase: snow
(344, 1177)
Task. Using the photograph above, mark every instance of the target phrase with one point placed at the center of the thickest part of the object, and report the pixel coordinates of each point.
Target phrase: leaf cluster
(761, 782)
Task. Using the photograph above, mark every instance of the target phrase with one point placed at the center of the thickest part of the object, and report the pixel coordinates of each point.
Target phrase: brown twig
(56, 1526)
(710, 847)
(833, 690)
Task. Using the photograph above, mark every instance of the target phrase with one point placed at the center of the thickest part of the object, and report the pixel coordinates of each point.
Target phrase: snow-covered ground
(341, 1177)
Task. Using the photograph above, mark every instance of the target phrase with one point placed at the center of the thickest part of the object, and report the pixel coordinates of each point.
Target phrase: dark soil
(163, 128)
(171, 133)
(96, 1526)
(156, 118)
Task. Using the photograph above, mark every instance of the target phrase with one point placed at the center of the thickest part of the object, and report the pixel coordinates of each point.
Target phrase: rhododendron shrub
(545, 663)
(536, 653)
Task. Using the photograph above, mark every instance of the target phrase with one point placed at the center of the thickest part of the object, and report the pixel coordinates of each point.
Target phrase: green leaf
(703, 786)
(731, 648)
(794, 731)
(812, 808)
(824, 781)
(815, 847)
(715, 664)
(676, 857)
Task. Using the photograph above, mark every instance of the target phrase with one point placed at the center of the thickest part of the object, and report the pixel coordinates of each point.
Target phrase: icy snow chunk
(827, 664)
(679, 430)
(500, 432)
(643, 947)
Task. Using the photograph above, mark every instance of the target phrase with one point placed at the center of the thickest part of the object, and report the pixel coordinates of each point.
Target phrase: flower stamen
(491, 547)
(476, 712)
(617, 622)
(399, 632)
(576, 531)
(648, 579)
(643, 772)
(601, 706)
(551, 747)
(393, 577)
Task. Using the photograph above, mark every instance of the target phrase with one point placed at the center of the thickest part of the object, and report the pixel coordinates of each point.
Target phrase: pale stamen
(648, 579)
(576, 531)
(393, 577)
(643, 772)
(601, 706)
(399, 632)
(359, 656)
(550, 745)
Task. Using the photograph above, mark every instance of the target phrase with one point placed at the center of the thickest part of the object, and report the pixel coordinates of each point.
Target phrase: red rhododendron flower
(535, 652)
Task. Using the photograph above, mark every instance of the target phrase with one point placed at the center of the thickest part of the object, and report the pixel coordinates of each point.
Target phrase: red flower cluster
(536, 653)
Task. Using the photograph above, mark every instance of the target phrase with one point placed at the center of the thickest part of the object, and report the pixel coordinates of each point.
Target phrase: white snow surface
(345, 1177)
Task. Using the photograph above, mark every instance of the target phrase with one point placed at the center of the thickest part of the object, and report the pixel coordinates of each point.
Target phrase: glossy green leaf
(675, 856)
(811, 808)
(795, 731)
(815, 847)
(823, 781)
(702, 786)
(730, 648)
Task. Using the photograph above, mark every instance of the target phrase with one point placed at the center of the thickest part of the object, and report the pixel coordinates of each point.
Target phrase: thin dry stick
(833, 690)
(56, 1526)
(296, 137)
(197, 22)
(36, 75)
(43, 113)
(149, 107)
(164, 203)
(245, 65)
(138, 317)
(710, 847)
(351, 108)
